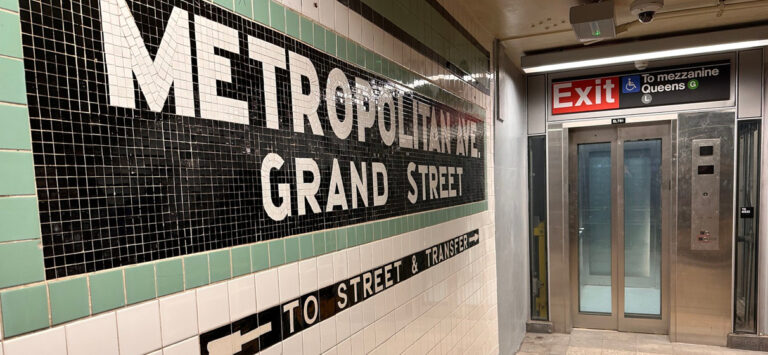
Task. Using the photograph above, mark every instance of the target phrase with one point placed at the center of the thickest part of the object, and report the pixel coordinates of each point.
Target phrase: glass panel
(748, 168)
(642, 227)
(537, 208)
(594, 177)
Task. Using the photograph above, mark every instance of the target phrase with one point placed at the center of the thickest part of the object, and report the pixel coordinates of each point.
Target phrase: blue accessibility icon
(630, 84)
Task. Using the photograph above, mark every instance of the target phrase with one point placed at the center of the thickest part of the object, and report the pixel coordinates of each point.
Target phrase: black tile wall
(122, 186)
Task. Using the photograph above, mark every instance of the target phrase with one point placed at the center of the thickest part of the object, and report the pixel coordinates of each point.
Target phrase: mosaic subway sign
(178, 127)
(259, 331)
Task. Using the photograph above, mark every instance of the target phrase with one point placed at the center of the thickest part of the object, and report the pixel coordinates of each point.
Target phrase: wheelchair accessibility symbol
(630, 84)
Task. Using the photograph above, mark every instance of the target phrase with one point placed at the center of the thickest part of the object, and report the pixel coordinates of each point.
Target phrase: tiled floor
(589, 342)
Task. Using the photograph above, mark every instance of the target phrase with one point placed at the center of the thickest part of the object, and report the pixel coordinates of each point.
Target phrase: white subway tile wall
(52, 341)
(92, 336)
(139, 340)
(341, 19)
(190, 346)
(178, 317)
(212, 306)
(242, 297)
(267, 290)
(449, 309)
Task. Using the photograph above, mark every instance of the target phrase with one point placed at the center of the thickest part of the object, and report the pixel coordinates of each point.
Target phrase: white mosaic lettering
(125, 54)
(212, 69)
(271, 57)
(304, 105)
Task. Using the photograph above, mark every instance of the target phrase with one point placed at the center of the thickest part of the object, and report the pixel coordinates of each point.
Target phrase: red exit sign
(585, 95)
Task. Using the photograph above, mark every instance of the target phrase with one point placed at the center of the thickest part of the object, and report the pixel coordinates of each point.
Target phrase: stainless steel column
(704, 273)
(762, 259)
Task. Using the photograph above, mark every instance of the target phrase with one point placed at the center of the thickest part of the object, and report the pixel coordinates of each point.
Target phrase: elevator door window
(642, 227)
(595, 227)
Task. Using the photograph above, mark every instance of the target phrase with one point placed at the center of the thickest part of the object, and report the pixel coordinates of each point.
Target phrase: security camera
(645, 9)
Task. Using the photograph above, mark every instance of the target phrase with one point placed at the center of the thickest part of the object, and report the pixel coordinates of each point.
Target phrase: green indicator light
(597, 33)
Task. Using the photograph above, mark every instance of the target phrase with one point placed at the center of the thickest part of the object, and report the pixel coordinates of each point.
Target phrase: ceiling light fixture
(669, 53)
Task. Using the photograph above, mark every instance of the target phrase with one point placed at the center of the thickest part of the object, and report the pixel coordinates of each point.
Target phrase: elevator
(619, 214)
(646, 206)
(642, 192)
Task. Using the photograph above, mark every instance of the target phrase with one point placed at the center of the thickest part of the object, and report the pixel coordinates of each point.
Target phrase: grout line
(3, 56)
(17, 196)
(17, 242)
(15, 104)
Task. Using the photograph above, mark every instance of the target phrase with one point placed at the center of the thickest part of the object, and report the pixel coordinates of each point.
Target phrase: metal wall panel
(704, 277)
(511, 206)
(537, 104)
(557, 221)
(762, 259)
(750, 93)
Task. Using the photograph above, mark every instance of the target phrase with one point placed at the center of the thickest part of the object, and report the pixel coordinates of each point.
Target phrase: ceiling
(528, 26)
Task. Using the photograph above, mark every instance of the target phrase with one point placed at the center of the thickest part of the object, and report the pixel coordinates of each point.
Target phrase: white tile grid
(242, 297)
(293, 4)
(178, 317)
(212, 306)
(368, 35)
(378, 39)
(288, 282)
(355, 26)
(406, 314)
(429, 309)
(52, 341)
(95, 335)
(310, 340)
(341, 19)
(327, 12)
(190, 346)
(138, 329)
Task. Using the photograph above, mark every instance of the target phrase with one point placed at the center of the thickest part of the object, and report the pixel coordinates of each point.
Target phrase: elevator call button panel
(705, 194)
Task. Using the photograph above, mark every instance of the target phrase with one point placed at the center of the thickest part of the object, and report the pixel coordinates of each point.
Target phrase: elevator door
(619, 180)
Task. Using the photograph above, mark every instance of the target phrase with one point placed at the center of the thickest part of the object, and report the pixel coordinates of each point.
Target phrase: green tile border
(10, 32)
(14, 128)
(259, 256)
(276, 252)
(277, 16)
(196, 270)
(220, 264)
(21, 256)
(107, 290)
(169, 276)
(140, 284)
(17, 175)
(14, 86)
(292, 252)
(241, 260)
(24, 310)
(69, 299)
(260, 10)
(10, 5)
(119, 287)
(21, 263)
